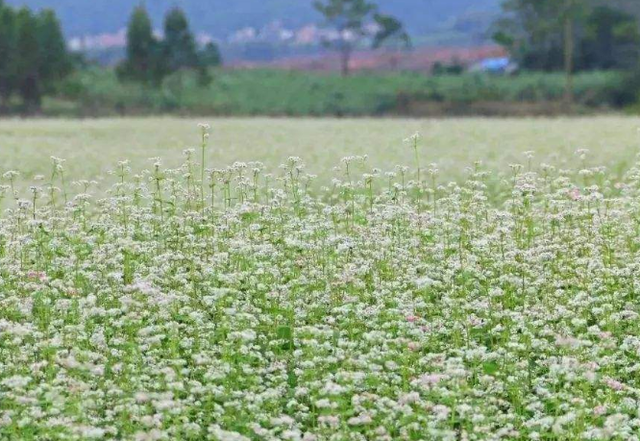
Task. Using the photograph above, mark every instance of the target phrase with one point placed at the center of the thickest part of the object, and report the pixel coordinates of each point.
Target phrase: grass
(284, 93)
(237, 302)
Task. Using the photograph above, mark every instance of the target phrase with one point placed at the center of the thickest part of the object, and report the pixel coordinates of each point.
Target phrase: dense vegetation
(172, 74)
(239, 303)
(577, 35)
(150, 59)
(276, 92)
(33, 56)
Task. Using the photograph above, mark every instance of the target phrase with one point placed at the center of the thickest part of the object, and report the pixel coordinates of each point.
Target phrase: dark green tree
(7, 53)
(569, 34)
(534, 32)
(571, 14)
(144, 61)
(27, 63)
(210, 55)
(391, 33)
(348, 19)
(179, 44)
(390, 29)
(55, 62)
(33, 55)
(612, 40)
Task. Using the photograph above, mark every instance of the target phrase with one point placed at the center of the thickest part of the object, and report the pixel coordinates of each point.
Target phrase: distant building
(244, 35)
(99, 42)
(308, 35)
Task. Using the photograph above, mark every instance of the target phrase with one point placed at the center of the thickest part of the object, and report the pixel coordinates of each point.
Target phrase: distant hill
(221, 18)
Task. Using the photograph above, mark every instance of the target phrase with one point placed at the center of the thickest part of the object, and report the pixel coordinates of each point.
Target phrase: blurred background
(78, 58)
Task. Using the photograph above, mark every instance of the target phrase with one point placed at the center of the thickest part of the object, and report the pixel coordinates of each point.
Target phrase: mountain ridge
(220, 18)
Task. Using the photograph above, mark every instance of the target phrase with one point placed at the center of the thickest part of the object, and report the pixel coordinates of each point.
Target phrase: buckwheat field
(480, 281)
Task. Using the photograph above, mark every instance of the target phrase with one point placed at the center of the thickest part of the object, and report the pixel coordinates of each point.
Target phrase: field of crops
(477, 282)
(93, 147)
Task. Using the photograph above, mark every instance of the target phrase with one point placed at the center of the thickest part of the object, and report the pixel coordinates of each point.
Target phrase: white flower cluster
(251, 306)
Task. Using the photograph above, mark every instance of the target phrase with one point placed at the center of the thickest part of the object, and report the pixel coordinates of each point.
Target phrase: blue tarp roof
(495, 64)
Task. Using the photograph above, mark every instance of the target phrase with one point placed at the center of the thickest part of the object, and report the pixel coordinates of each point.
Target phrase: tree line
(33, 55)
(149, 59)
(542, 35)
(572, 35)
(34, 59)
(596, 34)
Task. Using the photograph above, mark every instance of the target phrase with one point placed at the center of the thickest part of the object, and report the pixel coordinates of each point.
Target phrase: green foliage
(150, 61)
(612, 39)
(447, 69)
(252, 301)
(349, 18)
(346, 14)
(179, 44)
(210, 55)
(7, 52)
(390, 29)
(27, 61)
(33, 55)
(144, 55)
(55, 62)
(534, 31)
(292, 93)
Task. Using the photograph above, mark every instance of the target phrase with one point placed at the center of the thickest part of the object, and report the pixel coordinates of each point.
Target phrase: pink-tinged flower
(411, 318)
(574, 194)
(413, 346)
(599, 410)
(569, 342)
(431, 379)
(37, 275)
(614, 384)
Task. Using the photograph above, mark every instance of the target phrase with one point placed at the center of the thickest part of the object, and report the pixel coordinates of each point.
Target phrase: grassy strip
(97, 92)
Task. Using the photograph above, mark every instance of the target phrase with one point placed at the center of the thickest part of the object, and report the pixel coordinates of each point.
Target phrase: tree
(612, 40)
(390, 28)
(27, 63)
(179, 46)
(7, 53)
(144, 61)
(179, 43)
(210, 55)
(570, 34)
(33, 55)
(150, 60)
(54, 61)
(571, 11)
(533, 32)
(348, 19)
(390, 31)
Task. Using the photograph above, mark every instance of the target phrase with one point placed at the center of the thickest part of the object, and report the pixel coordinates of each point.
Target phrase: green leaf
(490, 367)
(285, 333)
